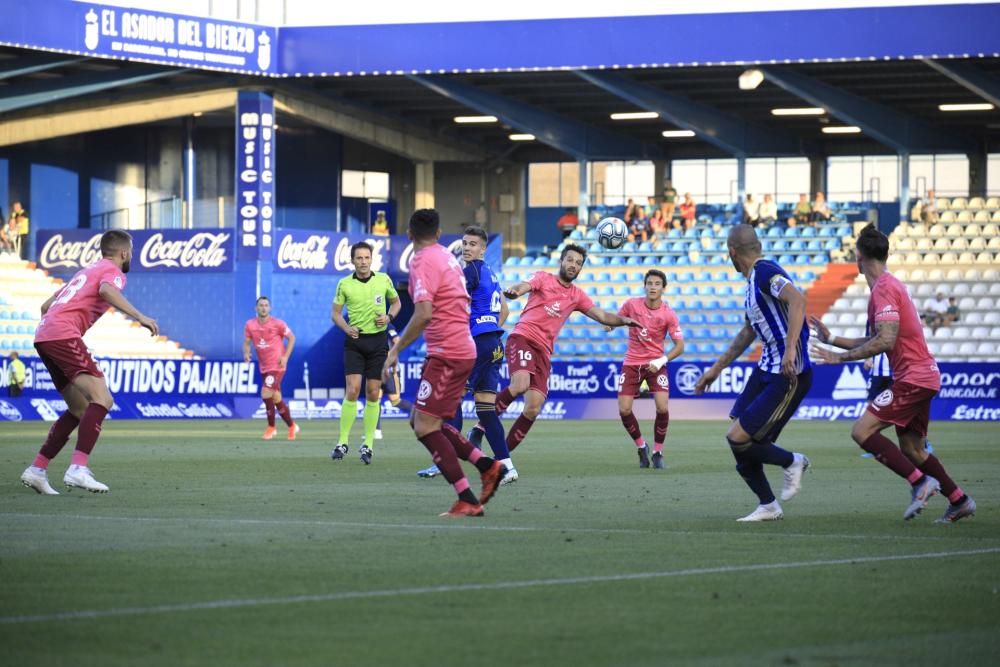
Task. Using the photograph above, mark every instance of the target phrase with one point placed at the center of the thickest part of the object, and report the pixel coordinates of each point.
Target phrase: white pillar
(424, 189)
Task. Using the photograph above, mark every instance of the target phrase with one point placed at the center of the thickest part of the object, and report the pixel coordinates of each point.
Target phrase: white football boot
(769, 512)
(38, 479)
(82, 478)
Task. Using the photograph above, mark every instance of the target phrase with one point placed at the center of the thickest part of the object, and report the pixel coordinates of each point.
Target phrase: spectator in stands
(658, 223)
(19, 221)
(381, 226)
(630, 209)
(15, 376)
(688, 211)
(639, 227)
(567, 222)
(750, 211)
(669, 201)
(928, 209)
(651, 207)
(953, 314)
(768, 212)
(6, 243)
(935, 310)
(802, 213)
(820, 209)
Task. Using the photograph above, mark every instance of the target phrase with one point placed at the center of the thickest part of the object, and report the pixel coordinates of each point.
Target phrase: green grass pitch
(216, 548)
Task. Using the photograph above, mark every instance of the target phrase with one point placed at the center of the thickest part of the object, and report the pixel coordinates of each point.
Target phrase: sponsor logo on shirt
(119, 283)
(425, 390)
(555, 310)
(777, 283)
(663, 381)
(883, 399)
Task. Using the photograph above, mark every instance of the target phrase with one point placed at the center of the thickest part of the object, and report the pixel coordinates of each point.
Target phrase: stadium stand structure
(26, 287)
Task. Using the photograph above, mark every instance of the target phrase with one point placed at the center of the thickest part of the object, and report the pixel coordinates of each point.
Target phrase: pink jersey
(550, 304)
(79, 304)
(909, 358)
(269, 341)
(645, 342)
(436, 276)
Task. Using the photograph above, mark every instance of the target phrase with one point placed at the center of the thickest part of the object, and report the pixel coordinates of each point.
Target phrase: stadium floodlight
(799, 111)
(842, 129)
(475, 119)
(750, 79)
(522, 137)
(978, 106)
(676, 134)
(634, 115)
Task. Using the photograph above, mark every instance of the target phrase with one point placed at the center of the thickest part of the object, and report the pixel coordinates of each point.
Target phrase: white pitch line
(462, 588)
(468, 526)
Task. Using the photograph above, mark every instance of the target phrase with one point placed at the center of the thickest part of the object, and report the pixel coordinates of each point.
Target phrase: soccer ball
(612, 233)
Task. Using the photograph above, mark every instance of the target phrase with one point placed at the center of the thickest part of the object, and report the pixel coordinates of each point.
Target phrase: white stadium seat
(981, 216)
(945, 258)
(896, 259)
(947, 216)
(855, 290)
(990, 275)
(995, 333)
(913, 258)
(989, 318)
(967, 348)
(979, 333)
(925, 289)
(925, 244)
(936, 275)
(861, 319)
(936, 231)
(942, 204)
(829, 319)
(971, 275)
(917, 231)
(845, 319)
(967, 303)
(994, 289)
(985, 303)
(943, 333)
(904, 244)
(954, 230)
(994, 243)
(932, 259)
(975, 204)
(959, 289)
(901, 274)
(984, 258)
(916, 276)
(959, 244)
(942, 244)
(993, 203)
(972, 231)
(995, 217)
(979, 289)
(991, 229)
(947, 349)
(964, 216)
(859, 303)
(961, 332)
(974, 318)
(986, 348)
(959, 203)
(977, 244)
(966, 258)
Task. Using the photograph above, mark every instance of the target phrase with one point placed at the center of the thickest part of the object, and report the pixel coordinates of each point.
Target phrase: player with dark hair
(775, 313)
(372, 303)
(66, 316)
(916, 381)
(645, 361)
(267, 335)
(488, 313)
(441, 314)
(529, 347)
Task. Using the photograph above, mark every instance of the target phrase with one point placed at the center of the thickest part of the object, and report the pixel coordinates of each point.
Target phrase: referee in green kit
(372, 302)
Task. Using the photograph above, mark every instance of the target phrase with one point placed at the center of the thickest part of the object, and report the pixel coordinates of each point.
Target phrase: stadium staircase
(829, 287)
(25, 287)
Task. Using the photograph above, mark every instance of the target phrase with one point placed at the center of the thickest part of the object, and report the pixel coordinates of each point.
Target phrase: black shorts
(877, 384)
(366, 355)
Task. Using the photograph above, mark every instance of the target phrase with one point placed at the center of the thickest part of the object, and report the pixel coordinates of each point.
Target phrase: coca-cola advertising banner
(319, 252)
(180, 250)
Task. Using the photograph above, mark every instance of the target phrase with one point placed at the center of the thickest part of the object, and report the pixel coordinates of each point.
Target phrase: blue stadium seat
(674, 234)
(843, 230)
(814, 244)
(690, 290)
(666, 260)
(826, 231)
(513, 318)
(651, 260)
(638, 275)
(686, 277)
(725, 290)
(591, 235)
(682, 260)
(730, 304)
(695, 304)
(808, 232)
(832, 244)
(774, 232)
(585, 349)
(691, 348)
(604, 277)
(526, 261)
(596, 333)
(797, 245)
(617, 260)
(646, 246)
(620, 276)
(605, 290)
(565, 349)
(808, 275)
(792, 232)
(4, 315)
(542, 260)
(512, 261)
(820, 260)
(623, 290)
(779, 246)
(683, 317)
(690, 233)
(633, 260)
(619, 348)
(706, 290)
(673, 290)
(735, 318)
(697, 318)
(629, 247)
(602, 349)
(786, 260)
(597, 260)
(713, 304)
(595, 249)
(715, 319)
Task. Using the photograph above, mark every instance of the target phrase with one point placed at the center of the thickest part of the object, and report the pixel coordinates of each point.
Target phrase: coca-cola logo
(58, 252)
(310, 254)
(204, 250)
(342, 257)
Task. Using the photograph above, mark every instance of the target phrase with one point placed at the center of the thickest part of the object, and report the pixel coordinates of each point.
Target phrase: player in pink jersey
(441, 314)
(267, 335)
(529, 347)
(645, 361)
(66, 316)
(907, 404)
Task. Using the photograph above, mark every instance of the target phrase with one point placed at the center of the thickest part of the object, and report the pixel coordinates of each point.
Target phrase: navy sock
(771, 454)
(488, 417)
(752, 471)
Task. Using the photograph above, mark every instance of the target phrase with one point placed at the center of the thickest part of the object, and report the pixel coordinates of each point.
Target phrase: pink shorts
(442, 385)
(905, 405)
(632, 377)
(272, 379)
(66, 359)
(524, 355)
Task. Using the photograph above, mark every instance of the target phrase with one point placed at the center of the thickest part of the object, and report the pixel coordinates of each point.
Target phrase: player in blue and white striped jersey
(775, 314)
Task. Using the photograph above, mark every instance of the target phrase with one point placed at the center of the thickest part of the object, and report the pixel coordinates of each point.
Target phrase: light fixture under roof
(522, 137)
(978, 106)
(750, 79)
(634, 115)
(842, 129)
(475, 119)
(799, 111)
(676, 134)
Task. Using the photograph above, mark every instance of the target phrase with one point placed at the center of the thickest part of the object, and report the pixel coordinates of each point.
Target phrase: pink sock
(461, 485)
(41, 462)
(80, 458)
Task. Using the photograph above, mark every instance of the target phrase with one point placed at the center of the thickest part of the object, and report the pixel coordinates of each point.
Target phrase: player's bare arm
(422, 314)
(743, 338)
(337, 315)
(504, 311)
(48, 302)
(246, 349)
(517, 291)
(883, 341)
(110, 293)
(610, 319)
(796, 302)
(283, 361)
(676, 350)
(824, 335)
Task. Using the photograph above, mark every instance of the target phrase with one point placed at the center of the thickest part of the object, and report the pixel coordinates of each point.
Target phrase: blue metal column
(255, 170)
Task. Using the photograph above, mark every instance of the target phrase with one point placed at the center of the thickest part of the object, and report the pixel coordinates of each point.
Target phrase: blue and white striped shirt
(768, 315)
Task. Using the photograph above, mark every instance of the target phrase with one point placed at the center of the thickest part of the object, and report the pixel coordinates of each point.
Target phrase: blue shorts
(877, 384)
(768, 401)
(485, 374)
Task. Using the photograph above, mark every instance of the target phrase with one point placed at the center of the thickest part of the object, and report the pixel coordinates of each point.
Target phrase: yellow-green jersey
(365, 299)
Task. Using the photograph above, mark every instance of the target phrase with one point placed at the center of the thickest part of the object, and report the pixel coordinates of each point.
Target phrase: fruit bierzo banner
(66, 251)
